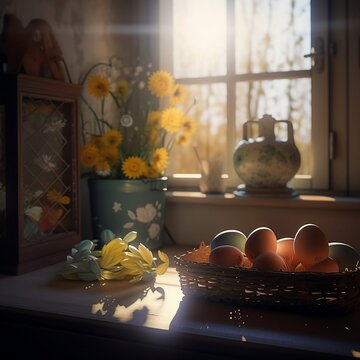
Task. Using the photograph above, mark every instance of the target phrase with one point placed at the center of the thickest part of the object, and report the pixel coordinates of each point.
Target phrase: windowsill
(192, 217)
(301, 201)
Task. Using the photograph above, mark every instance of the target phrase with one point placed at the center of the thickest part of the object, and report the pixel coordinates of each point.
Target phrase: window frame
(319, 177)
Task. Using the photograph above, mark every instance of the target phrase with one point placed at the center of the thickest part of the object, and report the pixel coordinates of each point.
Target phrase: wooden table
(50, 318)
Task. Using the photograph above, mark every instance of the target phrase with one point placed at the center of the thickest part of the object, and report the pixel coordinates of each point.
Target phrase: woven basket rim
(180, 261)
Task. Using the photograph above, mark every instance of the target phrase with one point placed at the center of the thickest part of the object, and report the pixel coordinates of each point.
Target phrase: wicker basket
(319, 292)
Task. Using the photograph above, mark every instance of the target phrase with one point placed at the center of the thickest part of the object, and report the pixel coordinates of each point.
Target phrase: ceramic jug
(265, 162)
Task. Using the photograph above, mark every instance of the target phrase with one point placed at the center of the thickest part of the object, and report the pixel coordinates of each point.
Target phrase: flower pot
(129, 205)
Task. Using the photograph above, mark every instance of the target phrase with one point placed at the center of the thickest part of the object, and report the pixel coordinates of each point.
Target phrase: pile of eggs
(308, 251)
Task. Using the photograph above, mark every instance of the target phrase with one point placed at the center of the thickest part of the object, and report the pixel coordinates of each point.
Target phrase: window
(243, 59)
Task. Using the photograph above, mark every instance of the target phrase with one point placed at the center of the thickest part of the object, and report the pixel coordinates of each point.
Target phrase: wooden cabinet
(39, 172)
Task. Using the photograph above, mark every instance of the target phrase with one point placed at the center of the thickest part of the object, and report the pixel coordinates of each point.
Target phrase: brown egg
(226, 255)
(310, 245)
(260, 240)
(246, 263)
(269, 261)
(326, 266)
(285, 248)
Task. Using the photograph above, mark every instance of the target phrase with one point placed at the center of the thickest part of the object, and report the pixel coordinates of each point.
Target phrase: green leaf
(106, 236)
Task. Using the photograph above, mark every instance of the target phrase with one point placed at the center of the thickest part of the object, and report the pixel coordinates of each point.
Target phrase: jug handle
(245, 128)
(290, 130)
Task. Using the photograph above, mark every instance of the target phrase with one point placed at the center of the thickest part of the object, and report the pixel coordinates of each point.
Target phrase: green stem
(93, 112)
(81, 82)
(102, 113)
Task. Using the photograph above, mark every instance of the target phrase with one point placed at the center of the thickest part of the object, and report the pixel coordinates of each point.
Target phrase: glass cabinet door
(47, 169)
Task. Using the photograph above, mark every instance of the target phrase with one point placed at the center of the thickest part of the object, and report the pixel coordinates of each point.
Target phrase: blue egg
(229, 237)
(345, 255)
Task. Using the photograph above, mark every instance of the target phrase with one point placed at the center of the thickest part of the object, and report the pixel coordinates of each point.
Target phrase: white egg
(345, 255)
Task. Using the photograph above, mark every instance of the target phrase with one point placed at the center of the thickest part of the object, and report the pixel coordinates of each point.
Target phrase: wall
(196, 217)
(89, 31)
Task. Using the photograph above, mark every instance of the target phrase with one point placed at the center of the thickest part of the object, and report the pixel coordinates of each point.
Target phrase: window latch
(317, 55)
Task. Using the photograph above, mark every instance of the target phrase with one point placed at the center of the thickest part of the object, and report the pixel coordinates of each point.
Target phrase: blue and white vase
(266, 164)
(129, 205)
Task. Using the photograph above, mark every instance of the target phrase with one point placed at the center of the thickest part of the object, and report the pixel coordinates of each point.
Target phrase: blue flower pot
(129, 205)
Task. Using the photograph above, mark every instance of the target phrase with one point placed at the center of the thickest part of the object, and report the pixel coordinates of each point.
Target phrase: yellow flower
(183, 139)
(134, 167)
(112, 138)
(102, 167)
(151, 172)
(154, 119)
(112, 253)
(97, 141)
(179, 94)
(160, 83)
(159, 159)
(98, 86)
(111, 155)
(56, 197)
(161, 269)
(171, 120)
(89, 155)
(189, 125)
(153, 137)
(122, 89)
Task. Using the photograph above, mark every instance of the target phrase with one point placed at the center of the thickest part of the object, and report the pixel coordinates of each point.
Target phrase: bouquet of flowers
(117, 260)
(133, 120)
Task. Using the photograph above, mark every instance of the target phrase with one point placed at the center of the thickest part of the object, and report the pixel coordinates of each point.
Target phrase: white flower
(146, 214)
(154, 230)
(45, 162)
(103, 172)
(116, 206)
(141, 85)
(34, 213)
(54, 126)
(126, 120)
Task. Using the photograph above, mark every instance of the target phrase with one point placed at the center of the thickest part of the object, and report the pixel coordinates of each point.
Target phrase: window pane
(210, 137)
(284, 100)
(199, 38)
(272, 35)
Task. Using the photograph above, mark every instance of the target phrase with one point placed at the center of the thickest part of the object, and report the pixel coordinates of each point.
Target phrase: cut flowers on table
(131, 119)
(117, 260)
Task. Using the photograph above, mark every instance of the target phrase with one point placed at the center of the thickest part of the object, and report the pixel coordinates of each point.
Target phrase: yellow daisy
(111, 155)
(154, 119)
(161, 83)
(98, 86)
(97, 141)
(122, 89)
(171, 120)
(89, 155)
(153, 137)
(112, 138)
(134, 167)
(56, 197)
(103, 168)
(183, 139)
(189, 125)
(159, 159)
(151, 173)
(179, 94)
